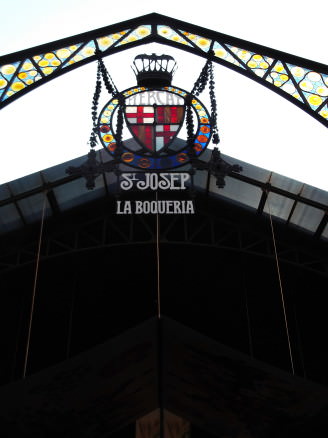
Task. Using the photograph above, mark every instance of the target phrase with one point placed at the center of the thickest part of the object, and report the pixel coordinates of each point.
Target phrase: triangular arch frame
(301, 81)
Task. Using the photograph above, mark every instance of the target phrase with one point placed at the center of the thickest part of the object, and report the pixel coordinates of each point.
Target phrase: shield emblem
(154, 127)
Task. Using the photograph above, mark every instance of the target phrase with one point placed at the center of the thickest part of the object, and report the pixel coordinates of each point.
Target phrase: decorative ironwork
(217, 167)
(91, 169)
(153, 123)
(172, 154)
(205, 77)
(301, 81)
(153, 70)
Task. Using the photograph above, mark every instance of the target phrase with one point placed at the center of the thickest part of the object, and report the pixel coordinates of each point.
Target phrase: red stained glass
(112, 147)
(205, 129)
(139, 114)
(198, 147)
(202, 138)
(167, 132)
(169, 114)
(104, 128)
(145, 134)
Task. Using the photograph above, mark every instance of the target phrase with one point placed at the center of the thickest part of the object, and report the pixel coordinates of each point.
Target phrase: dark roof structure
(222, 392)
(217, 318)
(291, 202)
(219, 366)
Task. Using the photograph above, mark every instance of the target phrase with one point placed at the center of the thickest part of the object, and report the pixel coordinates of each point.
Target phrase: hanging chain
(202, 80)
(206, 76)
(214, 115)
(102, 74)
(119, 125)
(95, 101)
(108, 81)
(190, 125)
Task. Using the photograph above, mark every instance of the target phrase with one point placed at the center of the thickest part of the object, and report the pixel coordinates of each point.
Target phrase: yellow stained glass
(8, 69)
(315, 100)
(200, 41)
(17, 86)
(137, 34)
(170, 34)
(305, 85)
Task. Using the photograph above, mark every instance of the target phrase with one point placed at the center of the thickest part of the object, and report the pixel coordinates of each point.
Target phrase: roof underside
(299, 80)
(264, 192)
(220, 390)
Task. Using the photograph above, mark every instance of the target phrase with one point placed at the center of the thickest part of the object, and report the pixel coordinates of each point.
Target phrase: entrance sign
(155, 128)
(169, 127)
(155, 207)
(155, 181)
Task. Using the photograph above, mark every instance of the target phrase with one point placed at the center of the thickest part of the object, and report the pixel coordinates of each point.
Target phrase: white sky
(52, 123)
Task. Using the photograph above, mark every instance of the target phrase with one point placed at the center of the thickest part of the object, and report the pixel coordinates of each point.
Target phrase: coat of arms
(154, 127)
(155, 113)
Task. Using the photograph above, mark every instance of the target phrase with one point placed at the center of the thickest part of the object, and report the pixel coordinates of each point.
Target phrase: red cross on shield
(156, 126)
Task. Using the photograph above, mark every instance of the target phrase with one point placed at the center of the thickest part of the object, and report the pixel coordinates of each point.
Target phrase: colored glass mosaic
(258, 64)
(107, 41)
(78, 55)
(154, 129)
(222, 52)
(307, 86)
(172, 35)
(136, 35)
(201, 42)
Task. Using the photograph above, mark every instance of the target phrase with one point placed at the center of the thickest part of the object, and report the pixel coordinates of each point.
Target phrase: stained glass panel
(172, 35)
(138, 34)
(78, 55)
(107, 41)
(199, 41)
(307, 86)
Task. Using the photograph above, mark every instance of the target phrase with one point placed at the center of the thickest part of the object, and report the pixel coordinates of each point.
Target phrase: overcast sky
(51, 124)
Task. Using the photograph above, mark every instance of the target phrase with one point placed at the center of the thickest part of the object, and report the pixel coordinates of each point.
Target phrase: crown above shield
(154, 70)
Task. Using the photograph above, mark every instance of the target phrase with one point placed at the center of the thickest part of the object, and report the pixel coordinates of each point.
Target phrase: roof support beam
(283, 73)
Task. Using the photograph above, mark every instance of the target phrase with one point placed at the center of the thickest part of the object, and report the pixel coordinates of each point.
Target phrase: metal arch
(93, 234)
(299, 80)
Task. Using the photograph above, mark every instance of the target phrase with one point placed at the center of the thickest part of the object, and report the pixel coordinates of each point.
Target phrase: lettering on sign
(155, 97)
(155, 181)
(155, 207)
